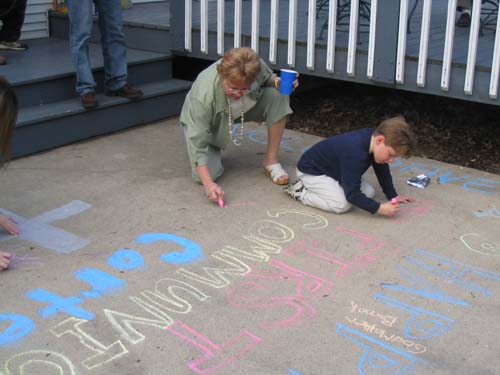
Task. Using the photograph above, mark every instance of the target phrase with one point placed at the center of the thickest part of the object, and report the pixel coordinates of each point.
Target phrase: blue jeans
(114, 49)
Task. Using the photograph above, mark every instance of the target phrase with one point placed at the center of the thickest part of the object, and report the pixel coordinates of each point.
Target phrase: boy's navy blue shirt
(345, 158)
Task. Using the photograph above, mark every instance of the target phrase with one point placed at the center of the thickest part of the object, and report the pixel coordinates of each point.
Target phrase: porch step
(43, 127)
(45, 74)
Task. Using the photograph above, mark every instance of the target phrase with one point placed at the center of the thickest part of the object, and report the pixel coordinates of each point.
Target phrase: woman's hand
(296, 82)
(214, 192)
(9, 224)
(277, 81)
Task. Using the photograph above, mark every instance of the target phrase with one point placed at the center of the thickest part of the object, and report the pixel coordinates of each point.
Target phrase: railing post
(386, 41)
(177, 24)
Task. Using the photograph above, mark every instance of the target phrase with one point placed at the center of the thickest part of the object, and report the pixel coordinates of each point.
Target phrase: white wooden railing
(400, 60)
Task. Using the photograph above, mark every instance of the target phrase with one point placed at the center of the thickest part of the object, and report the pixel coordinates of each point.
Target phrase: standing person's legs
(114, 49)
(12, 22)
(80, 29)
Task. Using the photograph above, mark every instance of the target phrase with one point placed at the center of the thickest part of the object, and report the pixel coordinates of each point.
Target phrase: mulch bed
(452, 131)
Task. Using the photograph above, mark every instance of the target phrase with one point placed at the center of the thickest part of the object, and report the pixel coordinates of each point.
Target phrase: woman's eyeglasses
(232, 90)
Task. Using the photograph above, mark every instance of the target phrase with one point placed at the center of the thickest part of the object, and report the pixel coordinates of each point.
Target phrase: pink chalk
(221, 202)
(394, 201)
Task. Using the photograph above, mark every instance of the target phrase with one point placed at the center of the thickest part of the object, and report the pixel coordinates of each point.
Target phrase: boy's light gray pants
(325, 193)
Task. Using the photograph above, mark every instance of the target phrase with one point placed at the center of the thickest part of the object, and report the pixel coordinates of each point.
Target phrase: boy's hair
(240, 65)
(398, 135)
(8, 115)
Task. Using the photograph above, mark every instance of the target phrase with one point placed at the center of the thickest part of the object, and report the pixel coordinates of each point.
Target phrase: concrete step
(47, 126)
(45, 74)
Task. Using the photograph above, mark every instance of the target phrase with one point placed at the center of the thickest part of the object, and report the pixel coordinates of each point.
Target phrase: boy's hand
(388, 209)
(9, 224)
(404, 199)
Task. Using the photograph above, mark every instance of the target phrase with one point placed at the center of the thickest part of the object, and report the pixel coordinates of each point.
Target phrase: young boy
(330, 171)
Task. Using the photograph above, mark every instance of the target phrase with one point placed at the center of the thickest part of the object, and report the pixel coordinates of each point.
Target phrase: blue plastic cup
(287, 78)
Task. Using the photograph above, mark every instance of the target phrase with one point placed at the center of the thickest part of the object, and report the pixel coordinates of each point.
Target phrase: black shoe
(88, 100)
(126, 91)
(464, 20)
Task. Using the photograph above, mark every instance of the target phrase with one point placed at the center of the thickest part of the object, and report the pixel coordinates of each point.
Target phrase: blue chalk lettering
(424, 324)
(420, 168)
(455, 270)
(483, 182)
(377, 355)
(192, 251)
(291, 372)
(397, 163)
(423, 288)
(102, 283)
(19, 327)
(126, 259)
(59, 304)
(444, 179)
(260, 136)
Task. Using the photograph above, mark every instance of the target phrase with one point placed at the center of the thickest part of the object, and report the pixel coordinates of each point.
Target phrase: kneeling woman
(240, 87)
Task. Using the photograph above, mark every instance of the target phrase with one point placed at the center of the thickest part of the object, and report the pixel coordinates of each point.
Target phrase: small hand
(9, 224)
(388, 209)
(404, 199)
(4, 260)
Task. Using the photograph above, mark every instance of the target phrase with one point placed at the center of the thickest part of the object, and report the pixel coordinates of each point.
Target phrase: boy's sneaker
(295, 189)
(15, 46)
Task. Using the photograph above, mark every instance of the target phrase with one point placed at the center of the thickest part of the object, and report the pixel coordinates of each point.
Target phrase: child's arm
(384, 178)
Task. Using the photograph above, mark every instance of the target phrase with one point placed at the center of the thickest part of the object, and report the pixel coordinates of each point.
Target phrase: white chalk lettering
(103, 353)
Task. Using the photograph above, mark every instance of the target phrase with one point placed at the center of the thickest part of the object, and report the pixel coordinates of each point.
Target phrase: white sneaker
(15, 46)
(295, 189)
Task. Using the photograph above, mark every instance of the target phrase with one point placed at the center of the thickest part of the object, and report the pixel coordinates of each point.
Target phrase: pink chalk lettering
(259, 290)
(410, 211)
(376, 250)
(214, 356)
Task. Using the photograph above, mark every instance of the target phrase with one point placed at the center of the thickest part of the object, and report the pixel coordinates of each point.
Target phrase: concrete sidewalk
(124, 267)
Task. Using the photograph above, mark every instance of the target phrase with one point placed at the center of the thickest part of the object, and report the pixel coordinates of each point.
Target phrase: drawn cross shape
(38, 230)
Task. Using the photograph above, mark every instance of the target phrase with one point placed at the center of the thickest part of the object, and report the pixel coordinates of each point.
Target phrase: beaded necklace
(239, 140)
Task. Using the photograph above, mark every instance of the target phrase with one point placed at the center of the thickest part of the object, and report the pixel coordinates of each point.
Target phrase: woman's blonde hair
(240, 65)
(8, 115)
